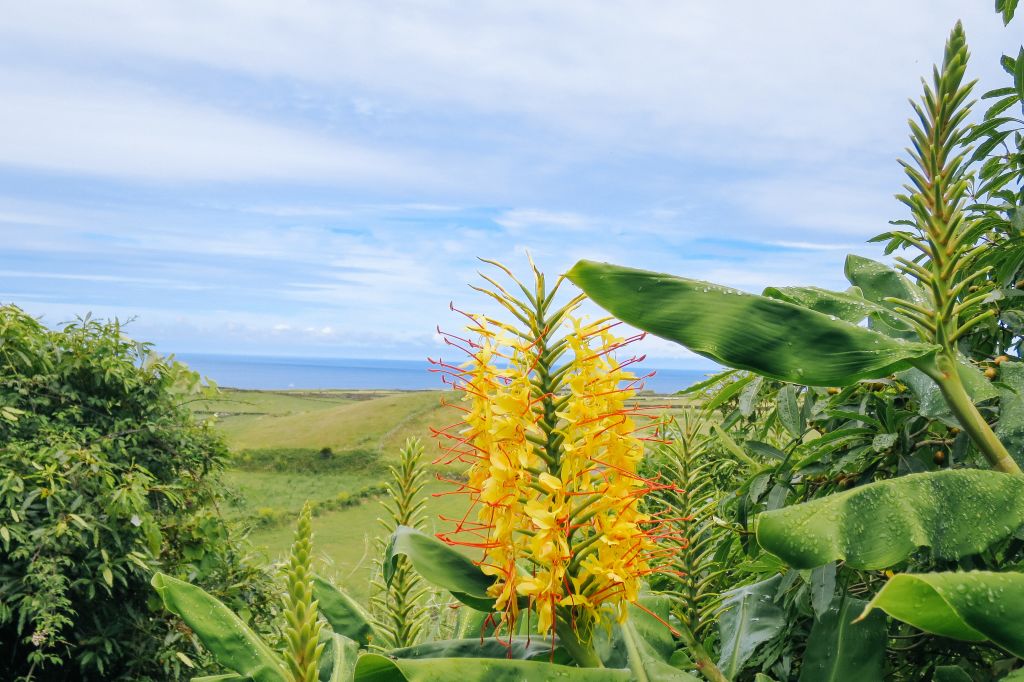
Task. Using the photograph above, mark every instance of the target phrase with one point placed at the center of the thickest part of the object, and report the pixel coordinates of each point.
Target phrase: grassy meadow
(292, 446)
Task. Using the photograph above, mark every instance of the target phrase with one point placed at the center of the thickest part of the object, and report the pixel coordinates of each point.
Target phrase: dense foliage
(845, 502)
(104, 477)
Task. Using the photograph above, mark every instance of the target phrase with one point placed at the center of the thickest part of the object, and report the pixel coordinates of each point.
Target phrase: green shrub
(104, 476)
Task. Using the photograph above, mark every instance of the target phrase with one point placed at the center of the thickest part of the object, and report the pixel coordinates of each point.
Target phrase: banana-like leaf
(771, 337)
(750, 617)
(643, 642)
(1010, 427)
(846, 305)
(878, 282)
(954, 512)
(839, 650)
(345, 616)
(475, 624)
(525, 648)
(338, 661)
(930, 401)
(975, 606)
(951, 673)
(440, 565)
(377, 668)
(233, 644)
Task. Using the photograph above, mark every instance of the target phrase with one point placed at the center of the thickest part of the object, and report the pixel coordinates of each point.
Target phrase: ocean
(276, 373)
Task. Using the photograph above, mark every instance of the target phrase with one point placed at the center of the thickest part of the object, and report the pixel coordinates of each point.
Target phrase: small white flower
(135, 520)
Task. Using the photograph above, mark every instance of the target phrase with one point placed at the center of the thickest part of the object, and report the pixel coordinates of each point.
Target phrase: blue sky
(317, 178)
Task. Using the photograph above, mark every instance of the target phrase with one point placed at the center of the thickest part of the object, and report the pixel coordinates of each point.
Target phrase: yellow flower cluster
(554, 449)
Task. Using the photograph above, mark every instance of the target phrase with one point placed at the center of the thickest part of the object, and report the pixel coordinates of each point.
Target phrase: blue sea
(275, 373)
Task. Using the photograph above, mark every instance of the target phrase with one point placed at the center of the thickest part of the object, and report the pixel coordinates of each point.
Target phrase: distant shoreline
(265, 373)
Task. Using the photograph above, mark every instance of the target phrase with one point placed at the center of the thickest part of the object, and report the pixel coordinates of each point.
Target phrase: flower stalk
(553, 438)
(952, 294)
(302, 632)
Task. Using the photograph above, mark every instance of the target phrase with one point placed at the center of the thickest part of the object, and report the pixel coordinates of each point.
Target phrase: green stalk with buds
(946, 239)
(302, 632)
(399, 608)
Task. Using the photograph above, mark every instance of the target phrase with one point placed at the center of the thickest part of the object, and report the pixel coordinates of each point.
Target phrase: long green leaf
(764, 335)
(975, 606)
(344, 614)
(230, 640)
(878, 281)
(841, 651)
(524, 648)
(845, 305)
(376, 668)
(643, 642)
(955, 512)
(952, 673)
(750, 617)
(1010, 427)
(440, 565)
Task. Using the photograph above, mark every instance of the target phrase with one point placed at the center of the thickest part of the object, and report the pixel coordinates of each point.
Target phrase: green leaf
(749, 618)
(789, 411)
(930, 401)
(230, 677)
(1010, 427)
(845, 305)
(643, 643)
(879, 282)
(231, 642)
(841, 651)
(440, 565)
(950, 673)
(764, 335)
(954, 512)
(823, 586)
(377, 668)
(345, 616)
(975, 606)
(338, 661)
(525, 648)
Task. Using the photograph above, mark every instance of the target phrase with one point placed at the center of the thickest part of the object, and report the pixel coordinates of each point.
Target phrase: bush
(104, 477)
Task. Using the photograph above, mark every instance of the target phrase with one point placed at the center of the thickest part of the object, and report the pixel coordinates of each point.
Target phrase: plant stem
(967, 414)
(582, 651)
(700, 656)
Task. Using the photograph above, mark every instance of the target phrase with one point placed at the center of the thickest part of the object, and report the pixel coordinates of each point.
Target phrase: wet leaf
(954, 512)
(771, 337)
(839, 650)
(974, 606)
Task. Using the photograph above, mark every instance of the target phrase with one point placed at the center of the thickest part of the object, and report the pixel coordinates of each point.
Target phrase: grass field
(278, 439)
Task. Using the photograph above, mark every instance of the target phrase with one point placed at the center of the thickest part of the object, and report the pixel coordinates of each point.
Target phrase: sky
(319, 178)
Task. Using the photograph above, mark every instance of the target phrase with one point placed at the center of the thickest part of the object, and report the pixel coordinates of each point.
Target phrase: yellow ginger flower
(553, 443)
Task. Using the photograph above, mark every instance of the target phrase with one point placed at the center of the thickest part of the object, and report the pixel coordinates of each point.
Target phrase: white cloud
(776, 79)
(54, 122)
(525, 218)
